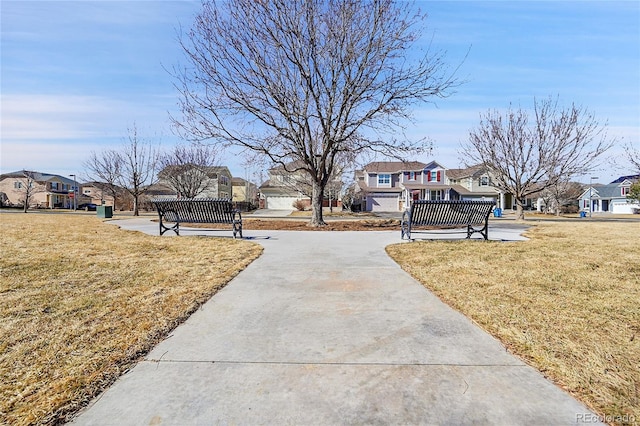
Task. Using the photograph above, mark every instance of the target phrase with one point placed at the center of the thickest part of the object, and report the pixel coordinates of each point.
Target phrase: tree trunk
(136, 212)
(519, 210)
(317, 197)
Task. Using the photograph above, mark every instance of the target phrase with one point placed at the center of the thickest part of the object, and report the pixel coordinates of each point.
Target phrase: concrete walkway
(325, 329)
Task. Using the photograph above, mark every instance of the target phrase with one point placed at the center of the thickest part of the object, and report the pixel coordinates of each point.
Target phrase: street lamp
(591, 179)
(75, 199)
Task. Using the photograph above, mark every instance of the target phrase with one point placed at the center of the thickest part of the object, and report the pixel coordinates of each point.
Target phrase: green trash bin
(105, 211)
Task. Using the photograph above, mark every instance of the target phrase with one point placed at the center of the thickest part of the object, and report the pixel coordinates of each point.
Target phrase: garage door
(382, 203)
(623, 207)
(280, 203)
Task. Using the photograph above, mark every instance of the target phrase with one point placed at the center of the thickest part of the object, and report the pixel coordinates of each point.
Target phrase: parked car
(87, 206)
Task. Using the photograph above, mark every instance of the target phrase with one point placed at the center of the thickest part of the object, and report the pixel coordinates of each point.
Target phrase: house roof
(293, 165)
(631, 178)
(468, 172)
(209, 170)
(160, 189)
(39, 177)
(99, 185)
(394, 166)
(236, 181)
(611, 190)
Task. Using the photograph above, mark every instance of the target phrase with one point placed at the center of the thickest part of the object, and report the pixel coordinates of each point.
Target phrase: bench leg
(484, 231)
(405, 230)
(237, 229)
(163, 228)
(175, 228)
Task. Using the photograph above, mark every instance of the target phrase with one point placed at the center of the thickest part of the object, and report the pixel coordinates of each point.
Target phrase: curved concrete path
(325, 329)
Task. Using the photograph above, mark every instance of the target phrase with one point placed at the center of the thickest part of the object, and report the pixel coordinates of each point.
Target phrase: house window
(384, 180)
(54, 186)
(17, 185)
(625, 190)
(435, 195)
(412, 175)
(433, 176)
(484, 181)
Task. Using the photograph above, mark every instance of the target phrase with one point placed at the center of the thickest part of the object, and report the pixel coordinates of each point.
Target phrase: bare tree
(307, 80)
(138, 160)
(562, 197)
(633, 156)
(105, 167)
(187, 168)
(29, 187)
(302, 182)
(527, 156)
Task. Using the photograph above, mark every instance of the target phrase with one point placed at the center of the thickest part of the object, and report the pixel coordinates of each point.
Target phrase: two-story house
(45, 190)
(611, 198)
(476, 183)
(220, 183)
(99, 193)
(215, 182)
(244, 192)
(389, 186)
(286, 186)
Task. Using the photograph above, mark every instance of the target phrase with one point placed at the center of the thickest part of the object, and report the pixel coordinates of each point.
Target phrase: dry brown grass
(81, 301)
(567, 301)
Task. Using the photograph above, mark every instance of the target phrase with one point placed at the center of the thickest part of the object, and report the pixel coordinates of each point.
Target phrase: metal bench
(197, 210)
(451, 213)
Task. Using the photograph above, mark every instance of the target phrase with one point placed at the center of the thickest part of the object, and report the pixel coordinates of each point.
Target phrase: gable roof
(630, 178)
(434, 165)
(611, 190)
(293, 165)
(39, 177)
(468, 172)
(210, 171)
(394, 166)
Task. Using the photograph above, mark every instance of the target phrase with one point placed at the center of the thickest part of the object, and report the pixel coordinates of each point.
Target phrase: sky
(76, 75)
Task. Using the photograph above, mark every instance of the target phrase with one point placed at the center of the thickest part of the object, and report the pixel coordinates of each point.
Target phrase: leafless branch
(529, 152)
(306, 80)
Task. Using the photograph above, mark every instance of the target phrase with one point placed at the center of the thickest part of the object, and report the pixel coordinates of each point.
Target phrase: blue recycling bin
(497, 212)
(583, 214)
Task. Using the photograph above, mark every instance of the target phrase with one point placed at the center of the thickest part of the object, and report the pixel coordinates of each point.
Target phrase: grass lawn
(81, 301)
(567, 302)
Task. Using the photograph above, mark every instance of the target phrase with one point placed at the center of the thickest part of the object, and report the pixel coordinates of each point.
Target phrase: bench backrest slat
(196, 210)
(449, 212)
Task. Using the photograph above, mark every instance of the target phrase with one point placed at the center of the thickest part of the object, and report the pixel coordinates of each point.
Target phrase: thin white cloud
(55, 117)
(64, 117)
